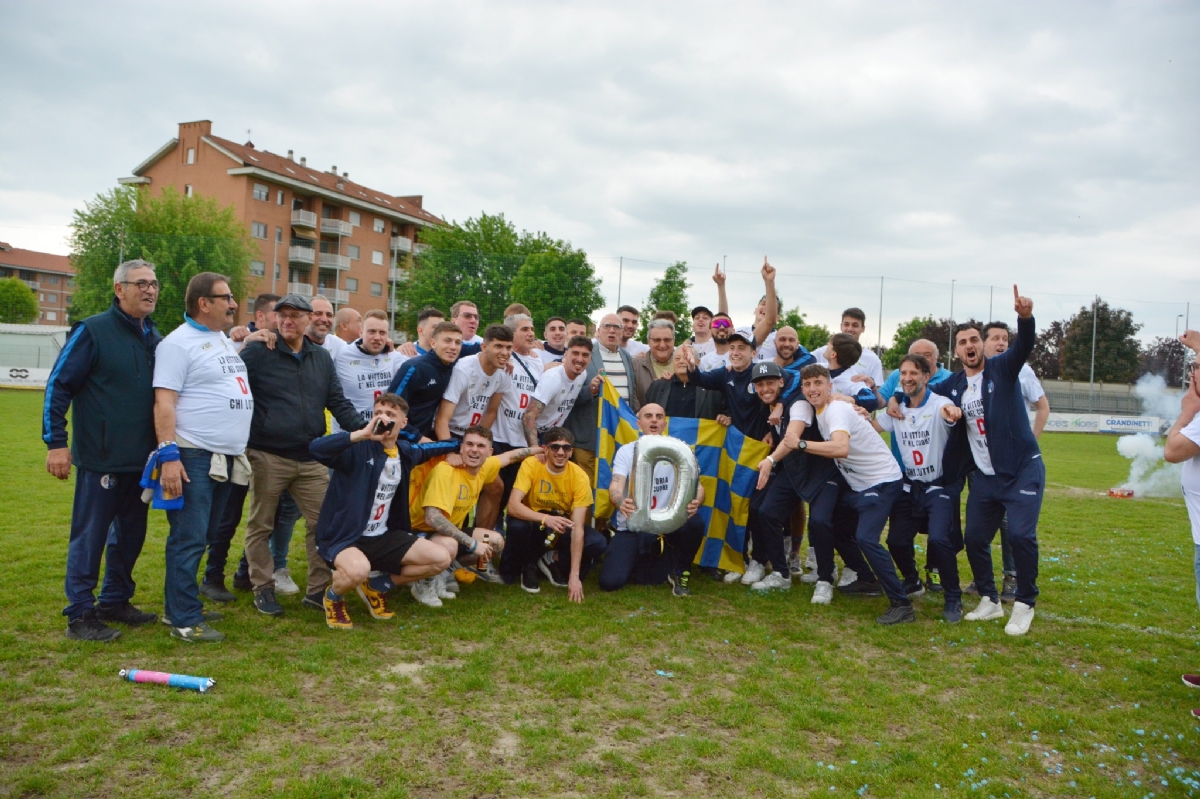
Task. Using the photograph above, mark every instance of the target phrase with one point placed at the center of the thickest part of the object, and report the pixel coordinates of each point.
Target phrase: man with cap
(722, 327)
(293, 384)
(702, 340)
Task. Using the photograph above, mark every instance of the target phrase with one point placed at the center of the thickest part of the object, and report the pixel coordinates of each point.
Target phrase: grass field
(636, 693)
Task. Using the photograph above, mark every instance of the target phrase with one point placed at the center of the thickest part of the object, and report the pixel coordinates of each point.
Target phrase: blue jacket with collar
(1010, 439)
(351, 493)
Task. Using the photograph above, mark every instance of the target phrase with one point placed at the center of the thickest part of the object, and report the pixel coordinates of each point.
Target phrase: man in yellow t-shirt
(440, 505)
(549, 504)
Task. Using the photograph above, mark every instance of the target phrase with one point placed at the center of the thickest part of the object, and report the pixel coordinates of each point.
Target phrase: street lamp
(1182, 352)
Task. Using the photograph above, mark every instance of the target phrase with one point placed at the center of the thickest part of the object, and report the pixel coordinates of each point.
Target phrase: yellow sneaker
(376, 601)
(335, 613)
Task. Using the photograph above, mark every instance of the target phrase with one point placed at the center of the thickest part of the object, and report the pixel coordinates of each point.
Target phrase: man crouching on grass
(361, 529)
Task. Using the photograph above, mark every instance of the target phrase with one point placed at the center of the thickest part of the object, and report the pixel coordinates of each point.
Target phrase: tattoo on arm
(440, 524)
(530, 421)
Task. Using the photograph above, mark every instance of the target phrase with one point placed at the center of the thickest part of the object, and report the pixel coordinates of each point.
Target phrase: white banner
(1101, 423)
(23, 377)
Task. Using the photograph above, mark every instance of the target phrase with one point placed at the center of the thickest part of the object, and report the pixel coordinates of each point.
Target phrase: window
(191, 155)
(352, 251)
(278, 234)
(258, 268)
(351, 284)
(377, 257)
(379, 226)
(51, 298)
(27, 274)
(279, 197)
(376, 289)
(70, 283)
(355, 219)
(258, 230)
(187, 190)
(52, 280)
(51, 316)
(261, 192)
(41, 297)
(276, 271)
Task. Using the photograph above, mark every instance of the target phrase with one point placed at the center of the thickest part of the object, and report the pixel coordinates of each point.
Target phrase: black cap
(297, 301)
(700, 309)
(746, 337)
(764, 370)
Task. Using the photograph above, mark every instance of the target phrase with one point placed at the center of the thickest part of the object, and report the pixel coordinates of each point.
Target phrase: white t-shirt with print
(664, 480)
(972, 406)
(868, 364)
(1190, 479)
(714, 360)
(215, 405)
(869, 461)
(558, 393)
(470, 389)
(1031, 387)
(766, 349)
(921, 437)
(702, 348)
(385, 492)
(364, 377)
(333, 345)
(635, 348)
(526, 376)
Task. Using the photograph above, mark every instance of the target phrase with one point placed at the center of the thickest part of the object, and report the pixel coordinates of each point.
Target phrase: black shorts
(386, 552)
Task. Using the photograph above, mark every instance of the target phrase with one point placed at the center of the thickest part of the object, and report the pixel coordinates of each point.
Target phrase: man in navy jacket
(364, 523)
(999, 451)
(422, 381)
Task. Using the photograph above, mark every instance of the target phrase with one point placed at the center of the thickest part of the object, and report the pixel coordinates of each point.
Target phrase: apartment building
(50, 276)
(318, 232)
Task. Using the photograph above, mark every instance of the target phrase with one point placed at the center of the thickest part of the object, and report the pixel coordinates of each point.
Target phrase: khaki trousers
(306, 481)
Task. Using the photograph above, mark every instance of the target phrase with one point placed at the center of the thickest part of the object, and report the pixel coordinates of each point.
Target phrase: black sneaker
(971, 589)
(529, 579)
(316, 600)
(210, 616)
(124, 613)
(552, 570)
(861, 588)
(89, 628)
(953, 611)
(933, 581)
(914, 587)
(266, 603)
(679, 583)
(241, 582)
(1008, 593)
(217, 591)
(898, 614)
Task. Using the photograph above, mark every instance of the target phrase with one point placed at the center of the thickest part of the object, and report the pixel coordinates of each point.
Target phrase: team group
(501, 429)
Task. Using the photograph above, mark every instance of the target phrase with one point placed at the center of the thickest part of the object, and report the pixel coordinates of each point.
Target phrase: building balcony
(336, 296)
(397, 273)
(306, 219)
(419, 248)
(303, 289)
(33, 284)
(401, 244)
(331, 260)
(336, 227)
(393, 306)
(302, 255)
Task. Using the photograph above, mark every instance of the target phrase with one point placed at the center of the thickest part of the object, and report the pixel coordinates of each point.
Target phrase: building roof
(264, 161)
(16, 258)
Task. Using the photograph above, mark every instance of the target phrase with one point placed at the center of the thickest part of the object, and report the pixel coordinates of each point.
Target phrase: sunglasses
(718, 323)
(560, 447)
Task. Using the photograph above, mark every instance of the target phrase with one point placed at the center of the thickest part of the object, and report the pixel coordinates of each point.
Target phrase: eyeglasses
(143, 285)
(719, 323)
(291, 317)
(612, 326)
(560, 447)
(226, 297)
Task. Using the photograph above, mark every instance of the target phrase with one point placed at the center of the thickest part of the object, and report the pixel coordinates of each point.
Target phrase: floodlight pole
(950, 331)
(620, 274)
(991, 296)
(879, 334)
(1092, 375)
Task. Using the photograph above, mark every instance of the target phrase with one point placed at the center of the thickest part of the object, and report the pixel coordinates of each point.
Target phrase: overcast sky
(1052, 145)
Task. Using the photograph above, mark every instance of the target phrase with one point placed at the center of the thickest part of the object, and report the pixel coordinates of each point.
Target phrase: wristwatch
(803, 445)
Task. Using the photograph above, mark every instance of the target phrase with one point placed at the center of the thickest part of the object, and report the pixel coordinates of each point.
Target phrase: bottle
(486, 540)
(551, 538)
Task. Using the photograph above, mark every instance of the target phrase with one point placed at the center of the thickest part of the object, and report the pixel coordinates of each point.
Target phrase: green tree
(670, 293)
(182, 236)
(18, 303)
(1117, 348)
(906, 334)
(553, 284)
(477, 260)
(811, 336)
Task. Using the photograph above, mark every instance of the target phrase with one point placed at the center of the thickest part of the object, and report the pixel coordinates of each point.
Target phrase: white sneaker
(284, 584)
(794, 563)
(1019, 621)
(987, 610)
(848, 576)
(814, 576)
(773, 581)
(823, 595)
(424, 592)
(448, 582)
(755, 571)
(732, 577)
(439, 586)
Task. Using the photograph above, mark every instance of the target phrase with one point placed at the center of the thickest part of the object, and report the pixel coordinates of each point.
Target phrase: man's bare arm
(530, 421)
(441, 525)
(493, 408)
(1041, 414)
(514, 455)
(441, 425)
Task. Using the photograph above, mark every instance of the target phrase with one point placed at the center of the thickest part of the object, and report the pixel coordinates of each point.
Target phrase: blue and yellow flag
(728, 464)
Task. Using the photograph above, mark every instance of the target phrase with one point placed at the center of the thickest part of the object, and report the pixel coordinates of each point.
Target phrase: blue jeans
(990, 498)
(644, 559)
(204, 501)
(109, 520)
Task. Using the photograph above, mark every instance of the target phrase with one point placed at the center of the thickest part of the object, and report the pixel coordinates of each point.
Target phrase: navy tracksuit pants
(108, 519)
(874, 505)
(932, 509)
(990, 497)
(831, 527)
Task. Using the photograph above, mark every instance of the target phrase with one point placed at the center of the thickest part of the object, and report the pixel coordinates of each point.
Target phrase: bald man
(347, 325)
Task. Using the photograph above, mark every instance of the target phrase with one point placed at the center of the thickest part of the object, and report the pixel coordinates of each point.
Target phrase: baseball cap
(742, 336)
(701, 309)
(764, 370)
(297, 301)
